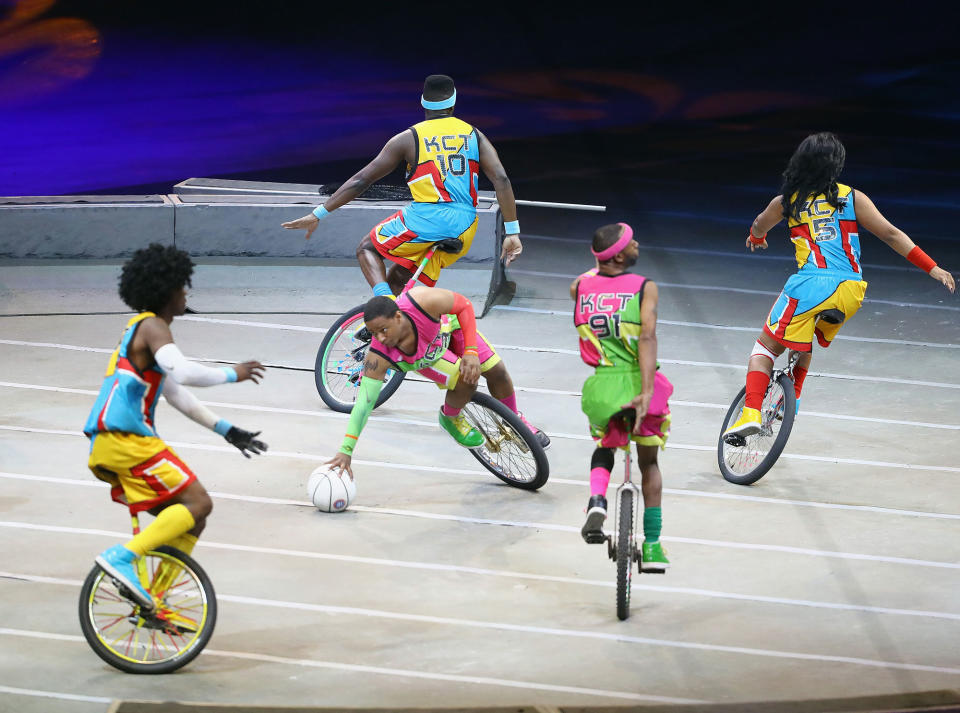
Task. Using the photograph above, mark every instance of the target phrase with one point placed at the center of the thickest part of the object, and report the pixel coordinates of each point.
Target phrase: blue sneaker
(118, 562)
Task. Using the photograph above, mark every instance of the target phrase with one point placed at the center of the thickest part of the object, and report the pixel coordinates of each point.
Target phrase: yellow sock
(185, 543)
(171, 523)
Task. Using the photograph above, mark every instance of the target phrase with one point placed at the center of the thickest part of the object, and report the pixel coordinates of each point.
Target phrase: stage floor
(837, 574)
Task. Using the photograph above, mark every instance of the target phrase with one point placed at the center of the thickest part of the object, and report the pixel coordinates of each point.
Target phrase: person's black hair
(606, 236)
(813, 169)
(379, 306)
(437, 87)
(151, 276)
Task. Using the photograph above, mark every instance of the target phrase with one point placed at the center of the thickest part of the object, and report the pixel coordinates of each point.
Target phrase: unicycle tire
(625, 552)
(158, 642)
(336, 363)
(510, 450)
(745, 464)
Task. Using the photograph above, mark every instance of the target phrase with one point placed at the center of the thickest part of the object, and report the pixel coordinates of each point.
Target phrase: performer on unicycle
(443, 156)
(615, 312)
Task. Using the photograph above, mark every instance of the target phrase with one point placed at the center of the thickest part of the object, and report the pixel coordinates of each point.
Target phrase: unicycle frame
(627, 484)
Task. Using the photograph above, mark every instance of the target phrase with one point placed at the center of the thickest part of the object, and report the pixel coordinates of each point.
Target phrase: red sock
(757, 382)
(449, 411)
(799, 374)
(510, 402)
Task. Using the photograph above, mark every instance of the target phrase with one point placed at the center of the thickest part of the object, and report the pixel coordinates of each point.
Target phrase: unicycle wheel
(171, 636)
(625, 552)
(743, 460)
(339, 364)
(510, 450)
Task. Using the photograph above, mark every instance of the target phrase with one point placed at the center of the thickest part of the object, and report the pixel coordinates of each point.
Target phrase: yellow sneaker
(748, 423)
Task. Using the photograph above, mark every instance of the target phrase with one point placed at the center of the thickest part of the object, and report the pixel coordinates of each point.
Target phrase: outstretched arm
(870, 218)
(771, 215)
(188, 404)
(374, 369)
(397, 149)
(157, 339)
(494, 171)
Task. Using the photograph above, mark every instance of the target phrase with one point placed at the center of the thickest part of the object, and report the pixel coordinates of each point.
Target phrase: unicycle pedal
(735, 440)
(595, 537)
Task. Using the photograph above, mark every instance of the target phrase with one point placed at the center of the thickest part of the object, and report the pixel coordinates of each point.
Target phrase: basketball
(330, 491)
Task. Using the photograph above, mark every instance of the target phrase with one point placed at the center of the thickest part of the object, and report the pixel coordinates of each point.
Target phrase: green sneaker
(462, 432)
(653, 558)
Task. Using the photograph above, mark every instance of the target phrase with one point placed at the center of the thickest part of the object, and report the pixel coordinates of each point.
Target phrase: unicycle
(744, 460)
(133, 640)
(510, 450)
(622, 544)
(339, 363)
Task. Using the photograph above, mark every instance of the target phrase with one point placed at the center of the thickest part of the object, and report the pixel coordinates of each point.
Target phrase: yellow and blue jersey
(827, 238)
(443, 179)
(128, 397)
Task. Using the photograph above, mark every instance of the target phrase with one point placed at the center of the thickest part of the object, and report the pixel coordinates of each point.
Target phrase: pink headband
(615, 249)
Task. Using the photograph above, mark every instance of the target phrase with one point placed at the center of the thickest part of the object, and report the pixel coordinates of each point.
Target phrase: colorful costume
(607, 317)
(440, 345)
(443, 182)
(829, 277)
(125, 450)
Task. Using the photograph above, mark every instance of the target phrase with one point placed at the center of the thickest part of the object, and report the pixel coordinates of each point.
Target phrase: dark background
(666, 109)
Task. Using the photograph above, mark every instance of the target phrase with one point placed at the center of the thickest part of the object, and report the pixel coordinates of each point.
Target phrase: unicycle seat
(449, 245)
(832, 316)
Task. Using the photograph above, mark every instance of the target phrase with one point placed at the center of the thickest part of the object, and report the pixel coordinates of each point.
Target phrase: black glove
(245, 441)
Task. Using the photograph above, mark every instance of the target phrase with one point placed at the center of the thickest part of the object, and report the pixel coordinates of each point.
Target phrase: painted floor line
(571, 436)
(573, 634)
(554, 527)
(403, 673)
(330, 414)
(549, 350)
(556, 481)
(741, 290)
(526, 576)
(788, 259)
(10, 690)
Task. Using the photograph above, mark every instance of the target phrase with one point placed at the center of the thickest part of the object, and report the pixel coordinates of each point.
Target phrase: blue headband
(442, 104)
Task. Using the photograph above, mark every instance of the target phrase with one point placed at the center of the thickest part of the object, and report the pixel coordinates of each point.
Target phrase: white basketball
(330, 491)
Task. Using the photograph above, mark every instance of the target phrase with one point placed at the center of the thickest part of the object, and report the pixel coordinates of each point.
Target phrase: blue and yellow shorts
(143, 471)
(396, 242)
(793, 319)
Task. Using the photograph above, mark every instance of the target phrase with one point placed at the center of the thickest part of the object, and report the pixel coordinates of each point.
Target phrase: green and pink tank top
(607, 318)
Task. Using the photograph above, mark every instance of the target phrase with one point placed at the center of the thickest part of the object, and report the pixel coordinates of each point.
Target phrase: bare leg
(397, 277)
(652, 481)
(499, 382)
(458, 397)
(371, 263)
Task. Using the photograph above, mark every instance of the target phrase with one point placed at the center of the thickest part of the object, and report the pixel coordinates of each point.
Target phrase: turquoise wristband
(222, 427)
(321, 212)
(230, 372)
(512, 228)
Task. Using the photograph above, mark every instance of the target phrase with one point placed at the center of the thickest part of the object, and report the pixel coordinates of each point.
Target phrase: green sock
(652, 523)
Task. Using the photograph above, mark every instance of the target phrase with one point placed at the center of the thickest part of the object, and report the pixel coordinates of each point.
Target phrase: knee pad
(760, 350)
(602, 458)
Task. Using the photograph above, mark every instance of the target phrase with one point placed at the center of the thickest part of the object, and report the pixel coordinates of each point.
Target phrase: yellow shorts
(793, 319)
(396, 242)
(142, 470)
